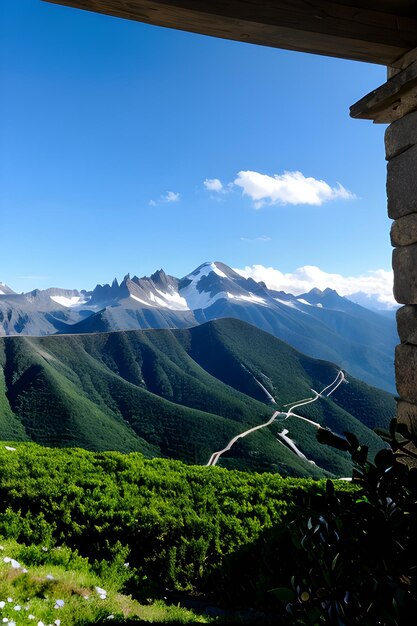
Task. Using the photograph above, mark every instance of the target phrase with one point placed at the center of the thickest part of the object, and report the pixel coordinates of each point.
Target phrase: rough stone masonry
(401, 154)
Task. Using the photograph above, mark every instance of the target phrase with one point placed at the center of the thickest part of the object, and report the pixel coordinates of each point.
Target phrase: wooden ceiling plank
(405, 60)
(317, 26)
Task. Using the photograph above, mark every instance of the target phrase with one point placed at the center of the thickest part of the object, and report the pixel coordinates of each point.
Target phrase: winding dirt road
(324, 392)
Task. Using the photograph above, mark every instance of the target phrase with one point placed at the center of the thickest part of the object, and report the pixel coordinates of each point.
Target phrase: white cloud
(171, 196)
(288, 188)
(34, 277)
(252, 239)
(376, 284)
(213, 184)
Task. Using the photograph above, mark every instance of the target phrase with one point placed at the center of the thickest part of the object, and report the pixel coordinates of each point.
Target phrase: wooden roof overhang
(374, 31)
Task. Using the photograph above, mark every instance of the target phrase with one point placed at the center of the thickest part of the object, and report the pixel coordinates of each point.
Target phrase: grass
(56, 595)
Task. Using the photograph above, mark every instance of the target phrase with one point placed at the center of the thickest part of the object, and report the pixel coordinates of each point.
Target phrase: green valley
(181, 394)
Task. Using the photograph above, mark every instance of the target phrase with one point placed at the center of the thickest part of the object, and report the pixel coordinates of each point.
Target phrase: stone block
(401, 135)
(404, 264)
(407, 324)
(407, 413)
(402, 184)
(406, 372)
(404, 230)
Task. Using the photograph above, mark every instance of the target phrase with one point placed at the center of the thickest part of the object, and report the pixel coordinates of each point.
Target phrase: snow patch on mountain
(289, 303)
(68, 302)
(172, 301)
(200, 299)
(250, 298)
(155, 299)
(141, 301)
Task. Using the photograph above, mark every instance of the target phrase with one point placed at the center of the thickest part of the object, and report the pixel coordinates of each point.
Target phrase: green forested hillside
(181, 394)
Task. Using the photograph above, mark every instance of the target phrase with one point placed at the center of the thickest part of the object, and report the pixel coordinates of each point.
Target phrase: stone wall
(401, 153)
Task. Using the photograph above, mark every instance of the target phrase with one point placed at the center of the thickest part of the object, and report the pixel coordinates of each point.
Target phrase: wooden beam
(402, 63)
(376, 31)
(394, 99)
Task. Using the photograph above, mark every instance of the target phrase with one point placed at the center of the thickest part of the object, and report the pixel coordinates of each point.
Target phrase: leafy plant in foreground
(356, 558)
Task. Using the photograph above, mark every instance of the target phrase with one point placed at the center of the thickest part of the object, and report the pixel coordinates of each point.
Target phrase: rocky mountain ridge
(320, 323)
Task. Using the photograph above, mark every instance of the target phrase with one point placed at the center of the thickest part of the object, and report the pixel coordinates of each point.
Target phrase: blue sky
(109, 129)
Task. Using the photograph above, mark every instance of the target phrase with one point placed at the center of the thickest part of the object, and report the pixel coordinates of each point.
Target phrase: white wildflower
(11, 449)
(49, 577)
(30, 616)
(9, 599)
(59, 604)
(17, 607)
(44, 548)
(101, 592)
(41, 623)
(57, 622)
(15, 564)
(2, 604)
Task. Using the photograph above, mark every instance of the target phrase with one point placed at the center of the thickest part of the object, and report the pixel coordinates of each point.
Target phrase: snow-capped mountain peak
(5, 290)
(320, 323)
(214, 281)
(204, 270)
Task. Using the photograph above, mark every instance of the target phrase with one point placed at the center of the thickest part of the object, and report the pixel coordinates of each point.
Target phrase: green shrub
(355, 560)
(173, 523)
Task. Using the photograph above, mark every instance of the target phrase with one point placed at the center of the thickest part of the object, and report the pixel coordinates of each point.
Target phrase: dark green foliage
(181, 394)
(322, 552)
(355, 560)
(173, 523)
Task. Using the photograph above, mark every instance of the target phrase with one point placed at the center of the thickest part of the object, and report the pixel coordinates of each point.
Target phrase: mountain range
(321, 324)
(184, 394)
